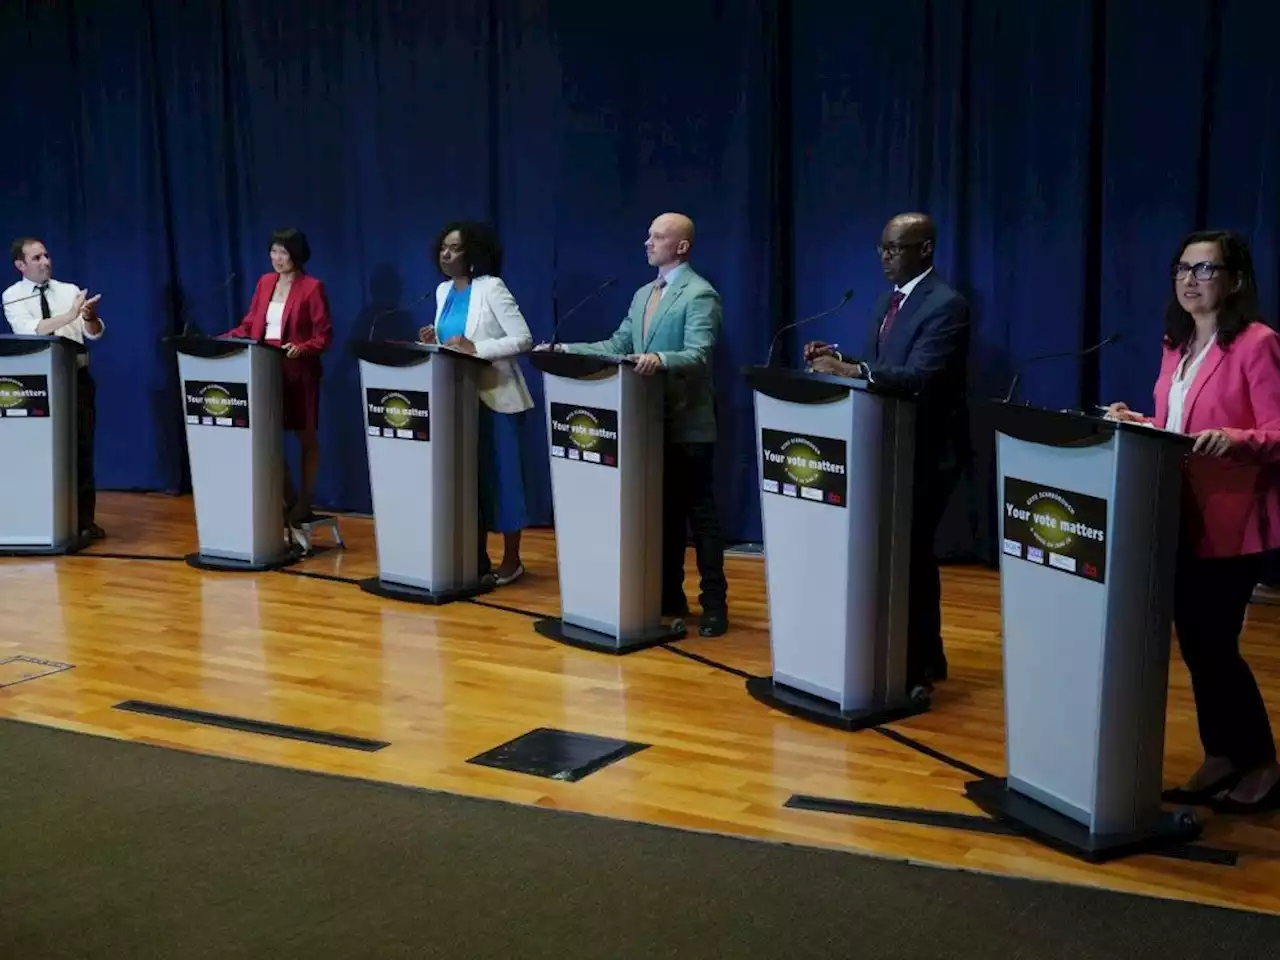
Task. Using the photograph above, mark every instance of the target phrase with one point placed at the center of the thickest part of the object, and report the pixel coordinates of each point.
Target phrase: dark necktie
(894, 303)
(45, 312)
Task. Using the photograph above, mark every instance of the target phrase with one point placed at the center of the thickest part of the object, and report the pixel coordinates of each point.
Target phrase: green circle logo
(398, 411)
(583, 430)
(803, 462)
(216, 400)
(1049, 512)
(10, 393)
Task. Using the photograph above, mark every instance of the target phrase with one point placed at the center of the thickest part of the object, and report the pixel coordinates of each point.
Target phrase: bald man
(672, 327)
(919, 342)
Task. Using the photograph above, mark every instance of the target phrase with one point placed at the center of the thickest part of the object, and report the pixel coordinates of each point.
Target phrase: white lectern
(835, 465)
(1089, 518)
(38, 505)
(421, 416)
(234, 410)
(604, 424)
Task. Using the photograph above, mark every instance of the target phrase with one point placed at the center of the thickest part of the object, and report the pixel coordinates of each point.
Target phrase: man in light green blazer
(671, 328)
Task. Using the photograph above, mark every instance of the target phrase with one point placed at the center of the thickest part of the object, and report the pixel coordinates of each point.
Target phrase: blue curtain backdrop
(1063, 149)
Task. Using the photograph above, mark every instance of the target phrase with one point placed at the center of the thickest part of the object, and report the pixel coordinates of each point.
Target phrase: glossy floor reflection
(445, 684)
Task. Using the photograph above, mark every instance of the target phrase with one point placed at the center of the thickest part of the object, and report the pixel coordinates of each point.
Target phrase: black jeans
(688, 500)
(1210, 601)
(86, 405)
(933, 485)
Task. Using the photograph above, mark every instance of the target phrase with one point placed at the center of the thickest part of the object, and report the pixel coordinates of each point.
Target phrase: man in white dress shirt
(38, 305)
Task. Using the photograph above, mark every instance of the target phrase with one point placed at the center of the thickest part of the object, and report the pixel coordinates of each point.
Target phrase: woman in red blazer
(1220, 383)
(289, 310)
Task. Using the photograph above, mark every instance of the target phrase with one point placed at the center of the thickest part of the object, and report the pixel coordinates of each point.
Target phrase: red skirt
(301, 382)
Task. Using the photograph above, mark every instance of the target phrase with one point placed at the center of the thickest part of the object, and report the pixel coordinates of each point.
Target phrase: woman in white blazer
(476, 313)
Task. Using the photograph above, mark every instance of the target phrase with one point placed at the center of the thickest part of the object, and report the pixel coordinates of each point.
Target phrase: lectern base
(817, 710)
(202, 561)
(73, 545)
(556, 629)
(402, 591)
(1035, 820)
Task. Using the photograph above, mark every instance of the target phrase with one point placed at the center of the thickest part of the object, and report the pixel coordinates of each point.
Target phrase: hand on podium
(816, 348)
(1122, 413)
(1213, 443)
(827, 363)
(427, 334)
(647, 364)
(461, 344)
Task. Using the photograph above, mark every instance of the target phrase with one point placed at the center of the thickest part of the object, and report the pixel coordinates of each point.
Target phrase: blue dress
(499, 449)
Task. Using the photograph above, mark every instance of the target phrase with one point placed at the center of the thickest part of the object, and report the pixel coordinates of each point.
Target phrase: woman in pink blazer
(289, 310)
(1220, 383)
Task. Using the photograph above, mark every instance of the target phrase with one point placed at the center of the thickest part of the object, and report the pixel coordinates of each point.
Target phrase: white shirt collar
(911, 284)
(671, 274)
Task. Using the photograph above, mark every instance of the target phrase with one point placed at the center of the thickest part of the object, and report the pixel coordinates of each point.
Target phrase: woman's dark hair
(481, 248)
(295, 242)
(1239, 307)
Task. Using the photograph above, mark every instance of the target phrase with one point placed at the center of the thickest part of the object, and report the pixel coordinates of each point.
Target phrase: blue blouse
(453, 318)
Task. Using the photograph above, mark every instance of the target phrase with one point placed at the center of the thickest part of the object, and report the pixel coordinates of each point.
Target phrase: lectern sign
(399, 414)
(220, 404)
(806, 467)
(1062, 530)
(24, 395)
(587, 434)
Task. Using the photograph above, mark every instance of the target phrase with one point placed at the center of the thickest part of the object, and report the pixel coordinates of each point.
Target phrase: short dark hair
(295, 242)
(481, 247)
(18, 249)
(1240, 306)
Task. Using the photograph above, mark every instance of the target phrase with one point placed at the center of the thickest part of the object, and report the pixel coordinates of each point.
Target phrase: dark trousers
(688, 501)
(86, 492)
(932, 489)
(1210, 601)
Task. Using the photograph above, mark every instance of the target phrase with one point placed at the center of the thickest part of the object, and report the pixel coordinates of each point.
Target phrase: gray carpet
(121, 850)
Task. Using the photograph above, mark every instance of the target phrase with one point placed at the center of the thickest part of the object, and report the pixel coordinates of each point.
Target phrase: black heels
(1204, 795)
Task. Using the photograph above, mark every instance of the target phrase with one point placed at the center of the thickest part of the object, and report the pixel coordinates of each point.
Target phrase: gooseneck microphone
(186, 313)
(373, 324)
(848, 295)
(555, 326)
(1017, 377)
(29, 296)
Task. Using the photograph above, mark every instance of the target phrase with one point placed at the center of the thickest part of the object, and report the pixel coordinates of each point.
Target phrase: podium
(38, 504)
(1089, 518)
(605, 427)
(421, 414)
(835, 459)
(233, 406)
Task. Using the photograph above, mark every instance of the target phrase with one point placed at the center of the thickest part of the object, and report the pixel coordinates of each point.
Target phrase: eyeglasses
(896, 249)
(1201, 271)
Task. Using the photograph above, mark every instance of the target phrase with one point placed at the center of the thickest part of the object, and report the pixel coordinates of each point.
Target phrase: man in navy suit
(919, 342)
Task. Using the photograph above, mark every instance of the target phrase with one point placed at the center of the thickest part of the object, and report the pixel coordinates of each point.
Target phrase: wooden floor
(444, 684)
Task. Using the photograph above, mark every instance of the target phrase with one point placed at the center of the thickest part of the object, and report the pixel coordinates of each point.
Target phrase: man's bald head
(906, 246)
(670, 240)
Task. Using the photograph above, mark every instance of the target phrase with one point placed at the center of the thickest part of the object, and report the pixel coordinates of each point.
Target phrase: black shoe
(1204, 795)
(1265, 804)
(713, 624)
(94, 532)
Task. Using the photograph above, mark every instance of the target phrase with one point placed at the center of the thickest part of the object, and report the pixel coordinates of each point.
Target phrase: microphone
(1017, 377)
(555, 326)
(186, 314)
(848, 295)
(29, 296)
(373, 324)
